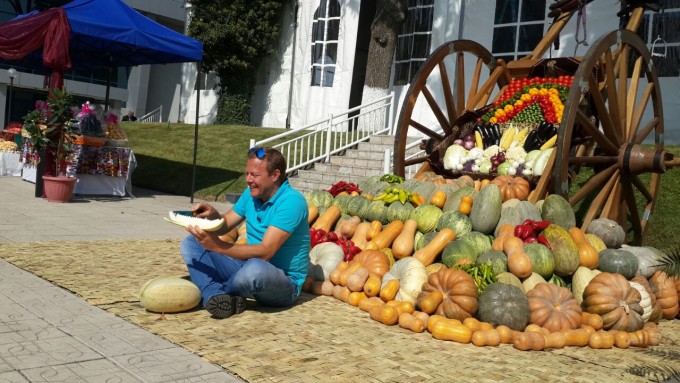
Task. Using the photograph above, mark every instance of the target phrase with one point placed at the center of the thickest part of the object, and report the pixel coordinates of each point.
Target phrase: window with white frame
(413, 42)
(661, 32)
(325, 31)
(518, 27)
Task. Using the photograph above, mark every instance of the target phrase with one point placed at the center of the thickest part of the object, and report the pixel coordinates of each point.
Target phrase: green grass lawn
(164, 155)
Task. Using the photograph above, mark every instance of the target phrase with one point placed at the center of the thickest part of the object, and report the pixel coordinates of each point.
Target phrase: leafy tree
(236, 36)
(21, 7)
(389, 17)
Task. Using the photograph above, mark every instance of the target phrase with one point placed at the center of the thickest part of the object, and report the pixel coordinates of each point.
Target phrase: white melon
(186, 220)
(169, 295)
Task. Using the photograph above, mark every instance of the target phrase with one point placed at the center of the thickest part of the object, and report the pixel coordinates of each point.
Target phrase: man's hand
(205, 210)
(209, 240)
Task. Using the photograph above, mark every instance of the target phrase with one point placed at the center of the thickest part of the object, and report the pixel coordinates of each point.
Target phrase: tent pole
(108, 84)
(198, 102)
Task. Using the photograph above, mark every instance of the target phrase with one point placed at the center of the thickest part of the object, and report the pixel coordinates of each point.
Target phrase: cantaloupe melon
(184, 219)
(169, 295)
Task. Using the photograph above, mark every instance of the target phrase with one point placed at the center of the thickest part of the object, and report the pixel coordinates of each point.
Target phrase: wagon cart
(613, 105)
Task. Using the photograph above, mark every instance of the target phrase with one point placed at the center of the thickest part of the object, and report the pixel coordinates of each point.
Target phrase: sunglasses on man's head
(259, 152)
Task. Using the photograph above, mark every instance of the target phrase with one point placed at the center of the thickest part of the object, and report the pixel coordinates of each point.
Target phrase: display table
(100, 171)
(10, 164)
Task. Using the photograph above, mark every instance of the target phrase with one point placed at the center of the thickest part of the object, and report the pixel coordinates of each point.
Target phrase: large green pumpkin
(427, 217)
(618, 261)
(423, 240)
(611, 233)
(342, 201)
(456, 221)
(496, 259)
(319, 198)
(453, 201)
(515, 212)
(425, 189)
(399, 212)
(458, 250)
(563, 248)
(503, 304)
(542, 259)
(486, 209)
(557, 210)
(357, 204)
(376, 211)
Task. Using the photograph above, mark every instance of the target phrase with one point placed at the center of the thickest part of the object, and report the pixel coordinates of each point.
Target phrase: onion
(468, 145)
(458, 142)
(468, 137)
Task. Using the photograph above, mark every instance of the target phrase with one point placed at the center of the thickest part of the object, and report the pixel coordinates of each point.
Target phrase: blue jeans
(216, 273)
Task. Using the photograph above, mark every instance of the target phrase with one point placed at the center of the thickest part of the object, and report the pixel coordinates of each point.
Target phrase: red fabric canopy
(49, 30)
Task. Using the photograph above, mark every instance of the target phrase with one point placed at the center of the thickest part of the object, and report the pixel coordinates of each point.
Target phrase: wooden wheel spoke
(443, 122)
(593, 160)
(600, 200)
(460, 83)
(622, 72)
(629, 198)
(611, 207)
(640, 110)
(482, 97)
(644, 132)
(604, 143)
(427, 131)
(415, 161)
(448, 96)
(612, 96)
(475, 78)
(592, 184)
(635, 180)
(632, 94)
(602, 112)
(541, 189)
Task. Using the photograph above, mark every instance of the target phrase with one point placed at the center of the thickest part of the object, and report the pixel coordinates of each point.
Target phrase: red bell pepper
(524, 231)
(543, 241)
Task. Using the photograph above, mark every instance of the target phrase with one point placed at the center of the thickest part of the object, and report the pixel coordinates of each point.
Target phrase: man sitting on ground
(272, 266)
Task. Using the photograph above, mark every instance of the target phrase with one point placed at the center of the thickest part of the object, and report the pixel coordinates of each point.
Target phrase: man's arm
(272, 241)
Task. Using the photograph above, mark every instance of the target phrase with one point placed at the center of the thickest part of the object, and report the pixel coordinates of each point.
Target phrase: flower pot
(58, 189)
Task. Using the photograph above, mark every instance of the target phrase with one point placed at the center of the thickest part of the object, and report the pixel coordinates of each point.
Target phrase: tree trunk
(389, 17)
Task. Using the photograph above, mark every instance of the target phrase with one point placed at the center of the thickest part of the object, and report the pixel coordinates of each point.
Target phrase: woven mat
(320, 339)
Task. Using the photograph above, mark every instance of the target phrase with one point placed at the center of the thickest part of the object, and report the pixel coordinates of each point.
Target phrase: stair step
(360, 163)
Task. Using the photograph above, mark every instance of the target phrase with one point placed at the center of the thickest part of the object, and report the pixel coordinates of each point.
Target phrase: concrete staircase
(356, 164)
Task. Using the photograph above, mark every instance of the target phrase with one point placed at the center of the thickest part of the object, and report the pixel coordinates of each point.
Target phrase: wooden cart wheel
(433, 80)
(617, 86)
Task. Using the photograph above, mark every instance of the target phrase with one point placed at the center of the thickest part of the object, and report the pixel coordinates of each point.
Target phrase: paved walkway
(47, 334)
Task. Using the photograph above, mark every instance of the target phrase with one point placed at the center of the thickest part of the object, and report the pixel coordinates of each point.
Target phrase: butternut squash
(355, 297)
(593, 320)
(402, 306)
(506, 334)
(353, 268)
(430, 302)
(348, 227)
(436, 318)
(356, 280)
(621, 339)
(411, 322)
(422, 316)
(384, 314)
(322, 288)
(519, 262)
(376, 227)
(526, 341)
(429, 253)
(438, 198)
(601, 340)
(366, 304)
(327, 220)
(403, 245)
(360, 234)
(372, 286)
(587, 255)
(334, 276)
(386, 236)
(578, 338)
(341, 293)
(472, 323)
(555, 340)
(465, 205)
(504, 232)
(444, 330)
(490, 337)
(313, 214)
(390, 290)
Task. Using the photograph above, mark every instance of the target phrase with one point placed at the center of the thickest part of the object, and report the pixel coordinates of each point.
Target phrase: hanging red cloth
(49, 30)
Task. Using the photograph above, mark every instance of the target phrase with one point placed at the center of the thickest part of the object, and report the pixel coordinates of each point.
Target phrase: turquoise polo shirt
(286, 210)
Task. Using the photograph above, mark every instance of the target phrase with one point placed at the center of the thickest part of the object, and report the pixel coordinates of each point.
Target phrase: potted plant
(51, 133)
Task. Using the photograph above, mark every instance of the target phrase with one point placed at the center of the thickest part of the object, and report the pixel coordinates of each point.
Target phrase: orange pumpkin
(666, 294)
(615, 300)
(376, 262)
(512, 187)
(554, 308)
(458, 289)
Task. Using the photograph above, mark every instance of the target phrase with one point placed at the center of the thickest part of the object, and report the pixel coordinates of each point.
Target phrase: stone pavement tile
(28, 330)
(45, 352)
(167, 365)
(92, 371)
(128, 341)
(218, 377)
(12, 312)
(11, 376)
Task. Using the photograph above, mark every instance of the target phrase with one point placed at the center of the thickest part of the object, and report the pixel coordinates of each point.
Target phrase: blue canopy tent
(103, 34)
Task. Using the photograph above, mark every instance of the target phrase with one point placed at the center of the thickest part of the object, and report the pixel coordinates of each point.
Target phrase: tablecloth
(10, 164)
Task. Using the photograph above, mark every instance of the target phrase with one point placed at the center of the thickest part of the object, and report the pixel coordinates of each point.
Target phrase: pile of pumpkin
(464, 266)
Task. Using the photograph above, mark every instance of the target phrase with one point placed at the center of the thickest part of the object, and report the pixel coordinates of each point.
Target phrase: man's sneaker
(224, 305)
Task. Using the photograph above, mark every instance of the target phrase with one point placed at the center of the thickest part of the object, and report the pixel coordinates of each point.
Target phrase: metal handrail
(333, 134)
(155, 115)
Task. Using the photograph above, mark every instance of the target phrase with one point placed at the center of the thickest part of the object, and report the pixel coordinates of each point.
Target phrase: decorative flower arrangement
(531, 100)
(51, 125)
